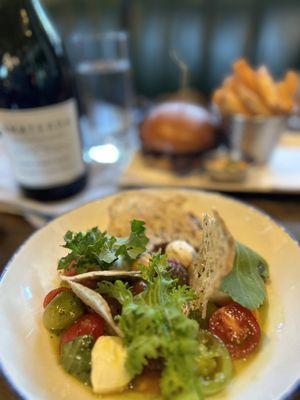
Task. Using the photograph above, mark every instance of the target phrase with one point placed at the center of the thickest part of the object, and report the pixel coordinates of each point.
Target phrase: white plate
(26, 355)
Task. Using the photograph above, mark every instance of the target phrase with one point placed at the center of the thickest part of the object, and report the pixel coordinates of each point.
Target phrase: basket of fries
(254, 109)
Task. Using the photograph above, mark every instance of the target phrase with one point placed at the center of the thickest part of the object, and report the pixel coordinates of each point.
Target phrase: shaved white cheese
(96, 302)
(181, 251)
(109, 374)
(102, 275)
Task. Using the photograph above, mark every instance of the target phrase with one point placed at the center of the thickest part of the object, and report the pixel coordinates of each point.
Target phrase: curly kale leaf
(155, 327)
(94, 249)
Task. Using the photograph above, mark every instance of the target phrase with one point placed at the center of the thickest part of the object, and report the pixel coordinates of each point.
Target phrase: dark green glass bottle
(38, 108)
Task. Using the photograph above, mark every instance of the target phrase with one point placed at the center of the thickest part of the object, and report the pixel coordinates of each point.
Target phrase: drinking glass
(103, 75)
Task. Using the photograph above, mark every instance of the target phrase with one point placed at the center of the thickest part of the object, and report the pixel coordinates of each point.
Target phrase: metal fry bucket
(255, 138)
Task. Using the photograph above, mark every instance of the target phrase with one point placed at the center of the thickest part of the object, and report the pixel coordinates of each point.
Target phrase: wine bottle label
(43, 144)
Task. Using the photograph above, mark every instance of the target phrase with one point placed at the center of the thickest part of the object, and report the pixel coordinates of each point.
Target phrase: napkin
(103, 180)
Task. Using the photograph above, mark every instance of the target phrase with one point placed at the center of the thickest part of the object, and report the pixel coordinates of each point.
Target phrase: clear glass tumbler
(103, 75)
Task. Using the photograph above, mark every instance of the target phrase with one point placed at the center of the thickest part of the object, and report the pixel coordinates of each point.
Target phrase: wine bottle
(38, 108)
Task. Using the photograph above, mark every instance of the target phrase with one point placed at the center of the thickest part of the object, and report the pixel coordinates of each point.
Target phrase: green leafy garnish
(98, 250)
(245, 283)
(76, 357)
(155, 327)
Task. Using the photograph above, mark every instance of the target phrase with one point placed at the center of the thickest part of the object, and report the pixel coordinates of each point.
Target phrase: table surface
(14, 230)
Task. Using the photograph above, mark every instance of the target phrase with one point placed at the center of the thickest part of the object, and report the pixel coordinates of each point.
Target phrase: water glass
(103, 75)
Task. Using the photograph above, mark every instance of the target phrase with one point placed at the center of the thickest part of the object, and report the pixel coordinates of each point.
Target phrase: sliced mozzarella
(109, 374)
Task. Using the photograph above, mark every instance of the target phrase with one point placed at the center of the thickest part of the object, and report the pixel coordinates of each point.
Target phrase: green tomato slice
(214, 363)
(63, 311)
(75, 357)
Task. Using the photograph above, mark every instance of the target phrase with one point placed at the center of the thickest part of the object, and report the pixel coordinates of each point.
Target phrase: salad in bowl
(161, 305)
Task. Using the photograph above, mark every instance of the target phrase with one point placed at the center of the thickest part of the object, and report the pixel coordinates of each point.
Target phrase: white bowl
(27, 357)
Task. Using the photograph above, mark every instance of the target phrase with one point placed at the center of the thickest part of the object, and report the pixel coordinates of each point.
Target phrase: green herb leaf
(155, 327)
(118, 290)
(76, 357)
(245, 283)
(137, 241)
(97, 250)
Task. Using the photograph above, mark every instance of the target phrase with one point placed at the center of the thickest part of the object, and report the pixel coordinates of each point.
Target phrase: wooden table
(14, 230)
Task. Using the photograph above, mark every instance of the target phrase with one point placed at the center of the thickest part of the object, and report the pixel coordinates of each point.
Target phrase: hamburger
(177, 133)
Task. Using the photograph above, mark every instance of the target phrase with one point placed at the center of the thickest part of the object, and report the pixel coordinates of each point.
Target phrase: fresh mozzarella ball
(181, 251)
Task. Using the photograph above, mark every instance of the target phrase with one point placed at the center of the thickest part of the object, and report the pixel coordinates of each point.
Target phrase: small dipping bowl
(220, 167)
(254, 138)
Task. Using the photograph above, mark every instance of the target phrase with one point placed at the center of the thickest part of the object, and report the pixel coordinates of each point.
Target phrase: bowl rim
(291, 391)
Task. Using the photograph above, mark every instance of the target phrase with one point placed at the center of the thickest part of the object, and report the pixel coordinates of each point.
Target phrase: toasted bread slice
(166, 220)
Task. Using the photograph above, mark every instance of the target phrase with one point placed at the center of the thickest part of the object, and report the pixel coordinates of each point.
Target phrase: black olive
(160, 247)
(154, 364)
(114, 305)
(138, 287)
(179, 272)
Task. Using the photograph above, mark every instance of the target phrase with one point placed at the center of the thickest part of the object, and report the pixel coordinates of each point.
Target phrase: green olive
(62, 311)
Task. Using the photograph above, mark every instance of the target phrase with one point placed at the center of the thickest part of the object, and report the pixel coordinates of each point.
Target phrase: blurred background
(194, 93)
(208, 34)
(159, 88)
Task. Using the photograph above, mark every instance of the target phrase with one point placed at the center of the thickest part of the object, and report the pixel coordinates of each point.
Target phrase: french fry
(245, 74)
(285, 99)
(229, 82)
(291, 82)
(217, 96)
(254, 92)
(228, 102)
(287, 90)
(267, 89)
(251, 101)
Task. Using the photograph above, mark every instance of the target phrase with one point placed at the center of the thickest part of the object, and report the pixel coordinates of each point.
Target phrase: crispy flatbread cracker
(95, 301)
(99, 275)
(166, 220)
(213, 261)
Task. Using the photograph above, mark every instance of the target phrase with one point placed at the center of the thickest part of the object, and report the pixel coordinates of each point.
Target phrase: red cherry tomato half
(71, 270)
(88, 324)
(237, 327)
(53, 293)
